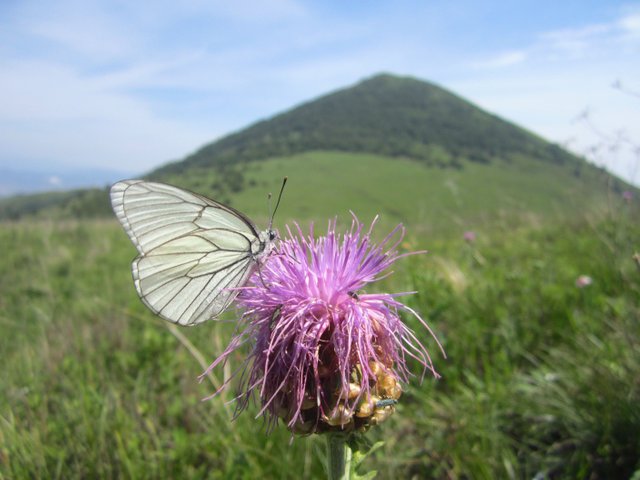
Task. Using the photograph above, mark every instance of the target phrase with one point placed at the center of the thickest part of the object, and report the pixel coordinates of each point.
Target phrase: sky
(127, 86)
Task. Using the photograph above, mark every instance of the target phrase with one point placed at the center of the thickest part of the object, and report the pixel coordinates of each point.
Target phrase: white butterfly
(193, 251)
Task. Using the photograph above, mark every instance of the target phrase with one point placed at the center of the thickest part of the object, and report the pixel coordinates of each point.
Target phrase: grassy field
(541, 378)
(323, 184)
(430, 200)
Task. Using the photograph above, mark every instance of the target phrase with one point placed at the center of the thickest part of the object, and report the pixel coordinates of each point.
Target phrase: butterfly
(194, 252)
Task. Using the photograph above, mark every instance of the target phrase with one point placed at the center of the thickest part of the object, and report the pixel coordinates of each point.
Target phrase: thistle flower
(627, 195)
(326, 356)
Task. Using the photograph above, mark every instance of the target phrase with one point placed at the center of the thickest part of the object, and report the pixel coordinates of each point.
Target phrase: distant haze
(19, 181)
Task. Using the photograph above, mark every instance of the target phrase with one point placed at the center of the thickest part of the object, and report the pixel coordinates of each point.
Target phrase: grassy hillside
(67, 204)
(324, 184)
(541, 378)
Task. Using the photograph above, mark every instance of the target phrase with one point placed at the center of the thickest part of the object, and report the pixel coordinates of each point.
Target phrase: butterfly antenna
(269, 215)
(273, 214)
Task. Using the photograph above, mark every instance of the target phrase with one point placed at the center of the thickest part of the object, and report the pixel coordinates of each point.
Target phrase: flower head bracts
(325, 355)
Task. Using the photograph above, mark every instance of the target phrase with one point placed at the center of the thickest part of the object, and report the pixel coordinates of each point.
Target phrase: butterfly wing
(193, 251)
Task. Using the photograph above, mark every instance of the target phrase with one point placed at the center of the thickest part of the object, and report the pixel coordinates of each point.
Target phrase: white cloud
(584, 33)
(587, 41)
(602, 39)
(504, 59)
(570, 43)
(91, 29)
(52, 112)
(85, 34)
(630, 23)
(93, 100)
(54, 181)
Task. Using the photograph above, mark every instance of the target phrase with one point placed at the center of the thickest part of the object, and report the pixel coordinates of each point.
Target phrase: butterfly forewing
(193, 252)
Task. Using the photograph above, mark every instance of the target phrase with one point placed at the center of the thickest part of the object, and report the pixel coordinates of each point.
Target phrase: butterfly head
(268, 236)
(267, 242)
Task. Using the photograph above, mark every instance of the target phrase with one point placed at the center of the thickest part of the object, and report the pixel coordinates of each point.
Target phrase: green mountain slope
(398, 146)
(325, 184)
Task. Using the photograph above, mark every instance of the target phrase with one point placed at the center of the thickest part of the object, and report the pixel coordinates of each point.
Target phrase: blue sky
(130, 85)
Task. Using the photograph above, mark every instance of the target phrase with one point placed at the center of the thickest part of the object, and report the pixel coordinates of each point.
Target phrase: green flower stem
(338, 457)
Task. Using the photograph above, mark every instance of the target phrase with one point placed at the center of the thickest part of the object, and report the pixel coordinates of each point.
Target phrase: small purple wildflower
(469, 236)
(326, 356)
(627, 196)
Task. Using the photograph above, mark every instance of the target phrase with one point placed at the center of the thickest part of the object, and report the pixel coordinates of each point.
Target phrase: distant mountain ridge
(384, 115)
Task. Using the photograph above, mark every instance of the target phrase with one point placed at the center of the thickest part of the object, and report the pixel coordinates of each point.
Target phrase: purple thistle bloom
(325, 356)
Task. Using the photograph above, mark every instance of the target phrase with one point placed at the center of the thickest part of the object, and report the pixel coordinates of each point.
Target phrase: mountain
(384, 115)
(398, 146)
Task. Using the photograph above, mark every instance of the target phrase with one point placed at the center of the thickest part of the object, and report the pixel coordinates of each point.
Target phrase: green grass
(325, 184)
(96, 387)
(541, 377)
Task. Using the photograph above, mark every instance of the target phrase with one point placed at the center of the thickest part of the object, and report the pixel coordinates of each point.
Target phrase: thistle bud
(339, 416)
(366, 408)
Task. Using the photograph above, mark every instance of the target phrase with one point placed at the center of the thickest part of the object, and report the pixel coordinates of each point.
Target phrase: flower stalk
(339, 457)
